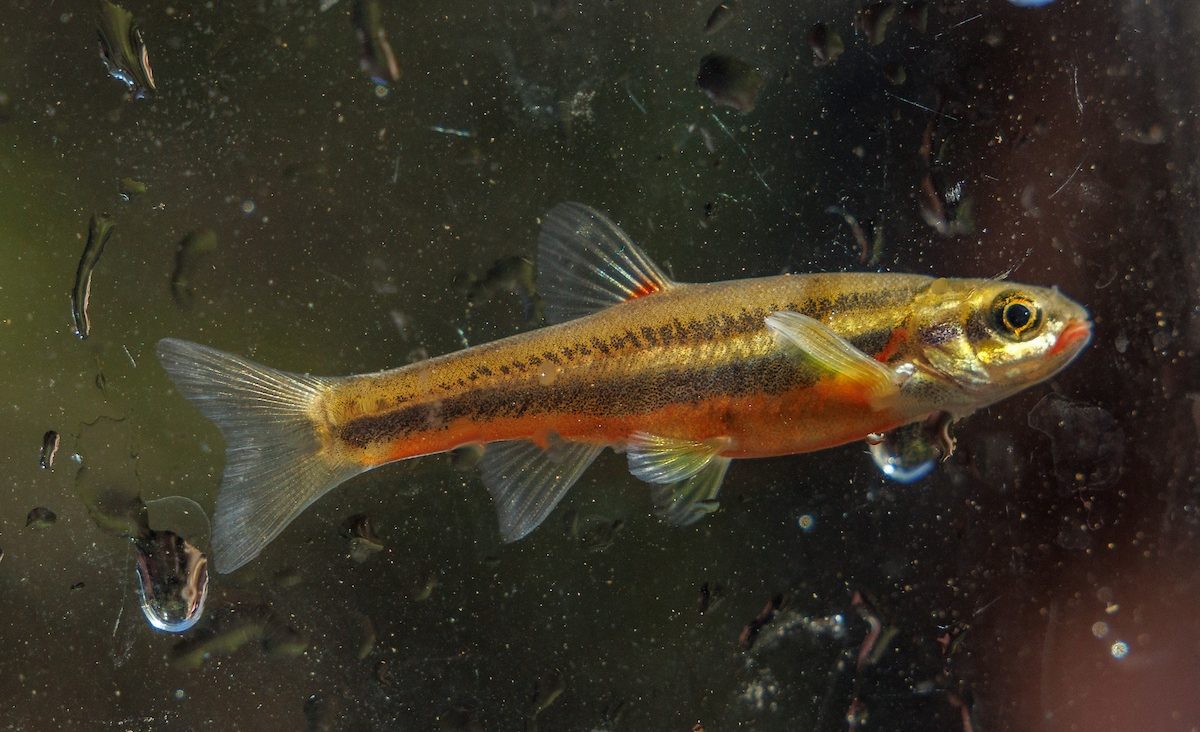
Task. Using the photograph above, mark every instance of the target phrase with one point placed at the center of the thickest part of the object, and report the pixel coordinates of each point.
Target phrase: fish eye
(1016, 315)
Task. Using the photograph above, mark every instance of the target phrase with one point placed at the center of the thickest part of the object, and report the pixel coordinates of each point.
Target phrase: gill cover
(938, 322)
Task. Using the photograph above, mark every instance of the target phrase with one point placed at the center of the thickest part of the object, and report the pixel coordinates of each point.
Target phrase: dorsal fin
(586, 263)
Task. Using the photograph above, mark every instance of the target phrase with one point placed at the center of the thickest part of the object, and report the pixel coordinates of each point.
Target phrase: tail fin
(275, 462)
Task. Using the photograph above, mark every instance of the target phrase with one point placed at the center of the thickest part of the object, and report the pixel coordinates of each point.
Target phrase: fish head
(993, 338)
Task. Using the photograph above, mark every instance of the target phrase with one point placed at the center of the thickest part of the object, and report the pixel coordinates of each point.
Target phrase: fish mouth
(1073, 338)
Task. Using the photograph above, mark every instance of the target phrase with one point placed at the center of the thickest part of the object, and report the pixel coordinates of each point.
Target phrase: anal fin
(527, 482)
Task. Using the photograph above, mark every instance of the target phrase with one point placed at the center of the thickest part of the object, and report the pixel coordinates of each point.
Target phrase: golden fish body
(682, 377)
(696, 362)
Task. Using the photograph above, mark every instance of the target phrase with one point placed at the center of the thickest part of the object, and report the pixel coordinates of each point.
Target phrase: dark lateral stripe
(608, 398)
(721, 326)
(630, 394)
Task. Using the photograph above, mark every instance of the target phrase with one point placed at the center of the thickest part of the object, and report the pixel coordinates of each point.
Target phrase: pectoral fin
(833, 355)
(657, 459)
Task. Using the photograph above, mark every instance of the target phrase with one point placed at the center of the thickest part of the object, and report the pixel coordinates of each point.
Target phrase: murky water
(355, 188)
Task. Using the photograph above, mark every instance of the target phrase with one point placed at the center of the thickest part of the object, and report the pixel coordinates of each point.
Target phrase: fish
(681, 378)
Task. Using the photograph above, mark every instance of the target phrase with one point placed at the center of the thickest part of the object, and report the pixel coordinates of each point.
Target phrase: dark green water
(1004, 584)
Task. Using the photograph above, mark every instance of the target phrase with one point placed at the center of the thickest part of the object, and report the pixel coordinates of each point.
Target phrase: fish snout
(1074, 337)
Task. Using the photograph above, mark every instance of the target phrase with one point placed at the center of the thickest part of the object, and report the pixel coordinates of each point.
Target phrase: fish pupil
(1017, 316)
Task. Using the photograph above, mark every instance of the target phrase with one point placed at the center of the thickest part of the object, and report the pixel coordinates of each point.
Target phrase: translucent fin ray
(275, 465)
(527, 482)
(586, 263)
(829, 352)
(687, 502)
(657, 459)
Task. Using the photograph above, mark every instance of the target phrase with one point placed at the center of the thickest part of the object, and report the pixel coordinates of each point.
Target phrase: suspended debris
(594, 533)
(229, 629)
(363, 541)
(720, 16)
(873, 21)
(826, 44)
(895, 74)
(423, 589)
(550, 686)
(283, 641)
(711, 595)
(190, 251)
(369, 637)
(730, 81)
(916, 14)
(507, 275)
(751, 630)
(1086, 442)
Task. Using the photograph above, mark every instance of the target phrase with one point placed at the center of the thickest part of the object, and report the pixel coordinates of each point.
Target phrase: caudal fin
(275, 462)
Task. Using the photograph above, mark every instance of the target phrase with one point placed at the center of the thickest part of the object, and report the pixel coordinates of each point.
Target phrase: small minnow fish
(683, 378)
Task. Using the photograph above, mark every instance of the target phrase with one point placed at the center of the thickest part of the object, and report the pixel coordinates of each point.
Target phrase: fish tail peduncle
(276, 460)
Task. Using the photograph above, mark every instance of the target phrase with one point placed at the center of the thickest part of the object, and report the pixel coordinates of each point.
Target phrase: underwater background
(350, 188)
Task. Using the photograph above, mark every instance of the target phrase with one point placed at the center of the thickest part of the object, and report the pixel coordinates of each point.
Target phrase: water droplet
(40, 517)
(123, 50)
(1100, 629)
(377, 59)
(172, 580)
(1119, 650)
(906, 454)
(50, 442)
(171, 571)
(807, 522)
(130, 188)
(100, 230)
